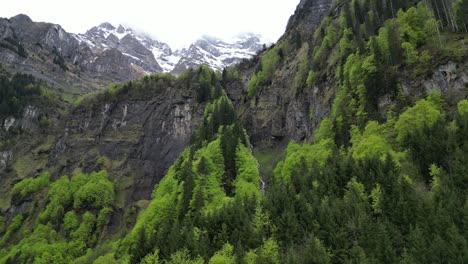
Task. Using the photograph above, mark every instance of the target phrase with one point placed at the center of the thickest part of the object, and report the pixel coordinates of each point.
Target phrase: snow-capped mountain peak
(156, 56)
(218, 53)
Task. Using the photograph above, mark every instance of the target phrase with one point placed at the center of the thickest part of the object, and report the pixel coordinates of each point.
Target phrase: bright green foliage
(463, 109)
(182, 257)
(98, 191)
(162, 203)
(317, 153)
(268, 65)
(376, 196)
(371, 143)
(250, 257)
(224, 256)
(347, 44)
(85, 230)
(416, 24)
(60, 196)
(356, 73)
(416, 119)
(254, 84)
(331, 36)
(70, 221)
(311, 79)
(208, 195)
(66, 236)
(110, 259)
(43, 245)
(210, 182)
(152, 258)
(269, 252)
(103, 218)
(435, 174)
(347, 197)
(301, 75)
(12, 227)
(377, 201)
(93, 190)
(325, 131)
(411, 54)
(355, 195)
(247, 183)
(383, 41)
(30, 185)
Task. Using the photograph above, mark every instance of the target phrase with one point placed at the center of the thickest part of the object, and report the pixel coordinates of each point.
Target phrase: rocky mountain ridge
(106, 54)
(212, 51)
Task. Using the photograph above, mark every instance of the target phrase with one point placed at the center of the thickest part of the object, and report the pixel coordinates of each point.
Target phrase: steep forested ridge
(380, 177)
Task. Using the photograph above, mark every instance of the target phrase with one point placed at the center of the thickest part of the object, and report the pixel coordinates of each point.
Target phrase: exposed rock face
(53, 55)
(8, 123)
(137, 47)
(30, 117)
(448, 76)
(5, 157)
(140, 136)
(105, 54)
(29, 121)
(278, 114)
(308, 14)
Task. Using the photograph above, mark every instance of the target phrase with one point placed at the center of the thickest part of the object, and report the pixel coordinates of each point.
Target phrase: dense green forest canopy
(366, 188)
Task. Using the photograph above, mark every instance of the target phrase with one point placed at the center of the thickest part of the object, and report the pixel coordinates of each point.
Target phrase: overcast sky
(177, 22)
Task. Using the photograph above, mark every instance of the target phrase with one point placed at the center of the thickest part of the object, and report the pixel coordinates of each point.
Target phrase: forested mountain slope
(346, 142)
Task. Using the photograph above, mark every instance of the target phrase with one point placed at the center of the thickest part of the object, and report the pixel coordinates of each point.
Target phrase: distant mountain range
(108, 53)
(157, 56)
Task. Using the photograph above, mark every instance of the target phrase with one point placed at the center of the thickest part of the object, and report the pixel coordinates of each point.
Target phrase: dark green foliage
(208, 197)
(311, 252)
(369, 187)
(16, 92)
(451, 13)
(460, 17)
(29, 186)
(203, 84)
(14, 45)
(383, 215)
(219, 113)
(229, 141)
(210, 86)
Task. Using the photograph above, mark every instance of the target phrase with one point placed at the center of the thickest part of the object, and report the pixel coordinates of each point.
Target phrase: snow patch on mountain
(155, 56)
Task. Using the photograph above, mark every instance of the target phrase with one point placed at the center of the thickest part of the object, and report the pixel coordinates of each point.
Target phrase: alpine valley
(344, 142)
